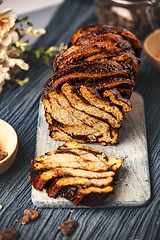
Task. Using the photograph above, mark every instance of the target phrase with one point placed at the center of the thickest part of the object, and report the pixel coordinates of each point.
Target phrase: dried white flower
(3, 55)
(11, 62)
(8, 64)
(19, 62)
(8, 34)
(4, 75)
(34, 32)
(13, 47)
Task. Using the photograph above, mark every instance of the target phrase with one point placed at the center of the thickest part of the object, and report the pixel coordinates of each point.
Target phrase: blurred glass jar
(140, 17)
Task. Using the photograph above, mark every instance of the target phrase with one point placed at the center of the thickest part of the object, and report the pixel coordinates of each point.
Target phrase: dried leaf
(21, 82)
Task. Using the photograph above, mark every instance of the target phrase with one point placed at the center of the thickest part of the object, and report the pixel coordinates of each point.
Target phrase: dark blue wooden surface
(19, 107)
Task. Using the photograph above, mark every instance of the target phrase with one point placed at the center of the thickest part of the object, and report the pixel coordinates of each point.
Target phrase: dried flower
(11, 62)
(4, 75)
(13, 48)
(8, 34)
(7, 65)
(35, 33)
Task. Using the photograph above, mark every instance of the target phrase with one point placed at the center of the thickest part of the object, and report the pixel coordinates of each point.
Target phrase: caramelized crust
(95, 30)
(75, 172)
(89, 93)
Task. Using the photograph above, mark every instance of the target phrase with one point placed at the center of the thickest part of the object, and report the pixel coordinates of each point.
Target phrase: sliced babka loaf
(89, 93)
(78, 173)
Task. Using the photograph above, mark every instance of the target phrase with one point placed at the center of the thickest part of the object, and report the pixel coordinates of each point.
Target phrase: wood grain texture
(19, 107)
(133, 185)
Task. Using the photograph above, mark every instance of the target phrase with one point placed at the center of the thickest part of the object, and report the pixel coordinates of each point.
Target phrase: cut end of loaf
(78, 173)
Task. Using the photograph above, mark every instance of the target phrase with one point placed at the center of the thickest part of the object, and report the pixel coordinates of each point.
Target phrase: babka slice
(78, 173)
(89, 93)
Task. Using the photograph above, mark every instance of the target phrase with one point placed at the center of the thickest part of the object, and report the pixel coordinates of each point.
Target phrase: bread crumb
(9, 234)
(29, 216)
(3, 154)
(68, 227)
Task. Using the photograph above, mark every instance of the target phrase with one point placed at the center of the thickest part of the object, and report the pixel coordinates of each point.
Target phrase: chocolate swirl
(100, 62)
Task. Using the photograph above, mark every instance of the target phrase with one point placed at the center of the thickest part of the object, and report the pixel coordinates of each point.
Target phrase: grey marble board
(133, 185)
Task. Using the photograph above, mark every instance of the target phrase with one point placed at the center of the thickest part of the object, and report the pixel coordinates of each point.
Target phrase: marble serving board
(133, 185)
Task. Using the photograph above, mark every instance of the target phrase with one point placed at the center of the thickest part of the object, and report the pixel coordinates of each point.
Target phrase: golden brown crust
(101, 29)
(89, 93)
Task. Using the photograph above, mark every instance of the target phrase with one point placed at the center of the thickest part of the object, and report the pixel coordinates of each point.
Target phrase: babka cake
(78, 173)
(89, 93)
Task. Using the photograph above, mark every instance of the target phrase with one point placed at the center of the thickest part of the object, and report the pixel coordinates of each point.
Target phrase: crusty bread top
(97, 53)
